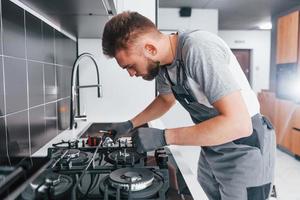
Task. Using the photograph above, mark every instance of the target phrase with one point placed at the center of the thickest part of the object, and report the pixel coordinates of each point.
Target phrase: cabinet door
(283, 114)
(287, 38)
(296, 132)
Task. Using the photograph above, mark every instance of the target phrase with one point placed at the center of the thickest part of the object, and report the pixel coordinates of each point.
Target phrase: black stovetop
(100, 171)
(74, 171)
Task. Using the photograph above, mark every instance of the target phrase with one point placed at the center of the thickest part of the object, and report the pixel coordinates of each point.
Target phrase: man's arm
(233, 122)
(159, 106)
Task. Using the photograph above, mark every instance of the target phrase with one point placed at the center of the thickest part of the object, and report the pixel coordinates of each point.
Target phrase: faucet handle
(98, 86)
(80, 118)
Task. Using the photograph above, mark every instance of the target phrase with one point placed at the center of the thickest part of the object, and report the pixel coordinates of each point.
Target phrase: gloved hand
(148, 139)
(120, 129)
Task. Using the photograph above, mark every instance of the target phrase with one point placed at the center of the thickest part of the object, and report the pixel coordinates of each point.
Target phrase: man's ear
(150, 49)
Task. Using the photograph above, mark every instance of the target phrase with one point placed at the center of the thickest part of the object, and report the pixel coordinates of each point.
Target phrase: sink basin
(94, 129)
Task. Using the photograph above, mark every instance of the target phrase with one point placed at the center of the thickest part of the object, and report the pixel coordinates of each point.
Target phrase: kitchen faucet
(75, 89)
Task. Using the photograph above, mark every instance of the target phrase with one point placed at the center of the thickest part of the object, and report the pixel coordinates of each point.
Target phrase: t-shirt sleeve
(163, 85)
(208, 63)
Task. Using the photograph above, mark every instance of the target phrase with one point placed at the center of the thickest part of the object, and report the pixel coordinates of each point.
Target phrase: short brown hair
(123, 29)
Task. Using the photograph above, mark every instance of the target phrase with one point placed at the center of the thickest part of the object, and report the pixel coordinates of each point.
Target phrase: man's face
(137, 64)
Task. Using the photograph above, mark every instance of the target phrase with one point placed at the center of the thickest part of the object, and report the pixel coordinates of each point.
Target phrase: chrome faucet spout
(75, 88)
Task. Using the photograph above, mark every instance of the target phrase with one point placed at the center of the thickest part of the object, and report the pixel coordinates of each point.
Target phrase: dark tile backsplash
(34, 40)
(51, 120)
(3, 151)
(50, 84)
(1, 31)
(64, 81)
(13, 29)
(35, 81)
(63, 114)
(48, 43)
(1, 89)
(15, 84)
(18, 134)
(37, 127)
(64, 50)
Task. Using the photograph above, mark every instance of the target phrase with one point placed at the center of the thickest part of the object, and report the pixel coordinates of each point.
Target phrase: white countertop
(65, 135)
(186, 157)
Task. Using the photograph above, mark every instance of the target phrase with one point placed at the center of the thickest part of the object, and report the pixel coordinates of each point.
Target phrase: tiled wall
(35, 77)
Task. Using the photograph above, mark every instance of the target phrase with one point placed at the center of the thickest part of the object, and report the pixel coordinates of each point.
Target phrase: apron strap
(168, 77)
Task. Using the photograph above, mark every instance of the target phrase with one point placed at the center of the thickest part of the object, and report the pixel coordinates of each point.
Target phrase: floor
(287, 177)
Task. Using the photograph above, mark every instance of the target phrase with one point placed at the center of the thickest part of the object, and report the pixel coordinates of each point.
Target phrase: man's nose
(131, 72)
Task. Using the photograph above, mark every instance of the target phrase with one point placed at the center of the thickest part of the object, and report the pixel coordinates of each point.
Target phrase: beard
(154, 69)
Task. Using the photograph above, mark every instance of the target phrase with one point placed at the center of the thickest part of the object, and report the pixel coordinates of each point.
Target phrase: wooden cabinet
(288, 38)
(285, 116)
(296, 132)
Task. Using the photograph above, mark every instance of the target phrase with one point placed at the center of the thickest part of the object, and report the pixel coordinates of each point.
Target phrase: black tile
(0, 29)
(17, 132)
(50, 85)
(37, 128)
(65, 50)
(48, 43)
(3, 150)
(34, 40)
(15, 84)
(63, 78)
(1, 89)
(35, 83)
(13, 29)
(63, 112)
(68, 74)
(51, 121)
(59, 47)
(71, 52)
(59, 81)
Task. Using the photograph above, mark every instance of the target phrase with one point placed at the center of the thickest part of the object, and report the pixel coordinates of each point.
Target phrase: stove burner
(52, 180)
(72, 153)
(139, 179)
(132, 177)
(49, 185)
(139, 183)
(74, 157)
(123, 157)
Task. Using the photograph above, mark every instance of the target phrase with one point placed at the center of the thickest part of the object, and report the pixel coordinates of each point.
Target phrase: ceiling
(237, 14)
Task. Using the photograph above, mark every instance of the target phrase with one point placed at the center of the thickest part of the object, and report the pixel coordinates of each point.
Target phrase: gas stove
(100, 169)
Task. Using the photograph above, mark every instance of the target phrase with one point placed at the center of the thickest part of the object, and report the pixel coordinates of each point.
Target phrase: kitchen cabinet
(288, 38)
(285, 116)
(296, 132)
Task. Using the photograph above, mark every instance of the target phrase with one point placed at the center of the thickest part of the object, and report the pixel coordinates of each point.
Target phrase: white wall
(205, 19)
(144, 7)
(168, 20)
(124, 96)
(260, 44)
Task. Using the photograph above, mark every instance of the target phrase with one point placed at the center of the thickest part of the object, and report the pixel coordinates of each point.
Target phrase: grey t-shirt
(211, 68)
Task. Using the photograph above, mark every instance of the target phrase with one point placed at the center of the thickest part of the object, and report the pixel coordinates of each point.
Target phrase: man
(197, 69)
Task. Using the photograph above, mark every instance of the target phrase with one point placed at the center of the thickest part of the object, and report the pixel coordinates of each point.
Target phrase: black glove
(120, 129)
(148, 139)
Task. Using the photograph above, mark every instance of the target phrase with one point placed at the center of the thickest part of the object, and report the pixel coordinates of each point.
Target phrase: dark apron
(210, 161)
